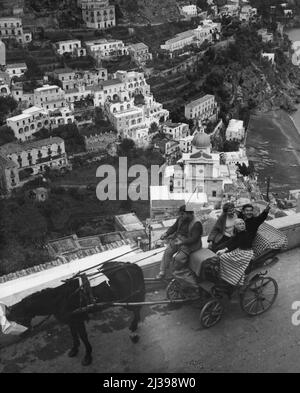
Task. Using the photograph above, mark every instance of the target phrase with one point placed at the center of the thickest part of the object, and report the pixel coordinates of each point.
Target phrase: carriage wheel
(211, 313)
(174, 290)
(259, 295)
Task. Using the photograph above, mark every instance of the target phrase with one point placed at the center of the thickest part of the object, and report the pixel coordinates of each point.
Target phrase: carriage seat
(197, 258)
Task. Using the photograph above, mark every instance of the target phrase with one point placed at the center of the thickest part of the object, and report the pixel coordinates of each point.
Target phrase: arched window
(32, 126)
(20, 130)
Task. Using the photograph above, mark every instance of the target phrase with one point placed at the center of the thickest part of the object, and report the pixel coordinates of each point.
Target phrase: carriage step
(207, 286)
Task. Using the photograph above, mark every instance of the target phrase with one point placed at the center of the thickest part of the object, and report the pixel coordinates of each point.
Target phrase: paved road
(172, 340)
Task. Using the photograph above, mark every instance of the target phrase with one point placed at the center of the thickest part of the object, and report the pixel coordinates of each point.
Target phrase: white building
(16, 69)
(33, 157)
(69, 46)
(189, 10)
(140, 52)
(154, 111)
(28, 123)
(24, 98)
(185, 144)
(49, 97)
(4, 89)
(106, 48)
(247, 12)
(206, 30)
(98, 14)
(180, 41)
(134, 82)
(2, 53)
(13, 28)
(177, 131)
(231, 158)
(60, 117)
(107, 90)
(203, 108)
(265, 36)
(269, 56)
(296, 53)
(235, 130)
(71, 79)
(127, 119)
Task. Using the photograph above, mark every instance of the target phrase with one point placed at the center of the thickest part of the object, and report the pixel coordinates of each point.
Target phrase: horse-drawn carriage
(201, 282)
(123, 284)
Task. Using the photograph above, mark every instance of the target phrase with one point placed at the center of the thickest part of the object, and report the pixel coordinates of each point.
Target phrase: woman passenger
(236, 257)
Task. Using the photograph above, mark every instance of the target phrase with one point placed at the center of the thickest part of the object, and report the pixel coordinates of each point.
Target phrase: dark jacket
(218, 230)
(180, 227)
(242, 240)
(194, 240)
(252, 224)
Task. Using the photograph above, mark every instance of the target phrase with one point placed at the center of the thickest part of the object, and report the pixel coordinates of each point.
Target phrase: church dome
(201, 140)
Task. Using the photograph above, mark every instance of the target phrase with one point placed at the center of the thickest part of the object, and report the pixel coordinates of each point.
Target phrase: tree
(6, 135)
(7, 106)
(126, 147)
(153, 128)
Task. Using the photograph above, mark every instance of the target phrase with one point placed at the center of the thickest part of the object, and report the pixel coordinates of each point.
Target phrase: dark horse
(126, 284)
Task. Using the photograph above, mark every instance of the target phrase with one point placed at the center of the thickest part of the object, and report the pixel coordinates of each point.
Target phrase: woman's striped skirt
(234, 264)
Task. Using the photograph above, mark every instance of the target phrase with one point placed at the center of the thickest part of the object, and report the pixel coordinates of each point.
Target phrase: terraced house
(203, 108)
(20, 162)
(12, 28)
(98, 14)
(29, 122)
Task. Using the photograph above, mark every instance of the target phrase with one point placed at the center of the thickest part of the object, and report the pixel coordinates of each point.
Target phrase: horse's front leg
(76, 342)
(134, 324)
(87, 360)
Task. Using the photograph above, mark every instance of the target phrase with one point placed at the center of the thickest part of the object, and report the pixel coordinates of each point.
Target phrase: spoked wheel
(259, 295)
(174, 290)
(211, 313)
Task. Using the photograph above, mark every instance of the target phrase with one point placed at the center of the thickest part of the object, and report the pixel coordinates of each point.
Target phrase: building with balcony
(12, 28)
(70, 46)
(140, 53)
(71, 79)
(20, 162)
(16, 69)
(176, 130)
(126, 117)
(154, 111)
(203, 108)
(61, 117)
(49, 97)
(29, 122)
(98, 14)
(104, 49)
(107, 90)
(134, 82)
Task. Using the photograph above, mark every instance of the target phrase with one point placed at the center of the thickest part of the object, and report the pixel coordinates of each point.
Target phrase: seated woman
(223, 230)
(235, 258)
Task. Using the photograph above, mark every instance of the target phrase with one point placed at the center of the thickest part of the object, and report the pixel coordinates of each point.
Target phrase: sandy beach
(273, 144)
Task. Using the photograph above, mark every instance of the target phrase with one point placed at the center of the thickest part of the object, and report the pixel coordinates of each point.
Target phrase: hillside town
(176, 85)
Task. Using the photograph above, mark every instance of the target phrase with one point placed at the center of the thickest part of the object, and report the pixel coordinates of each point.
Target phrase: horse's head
(19, 314)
